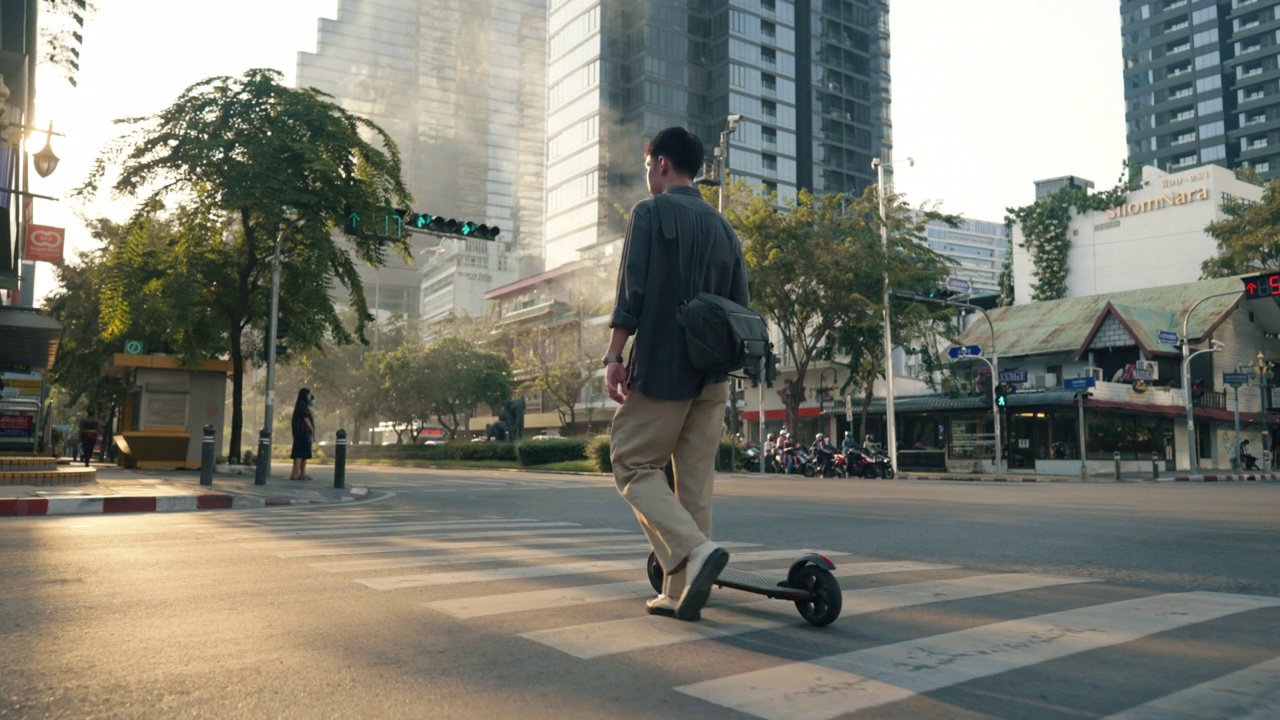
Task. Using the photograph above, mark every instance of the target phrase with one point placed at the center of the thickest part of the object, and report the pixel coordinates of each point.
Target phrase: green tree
(77, 304)
(236, 161)
(1248, 236)
(458, 376)
(816, 269)
(559, 360)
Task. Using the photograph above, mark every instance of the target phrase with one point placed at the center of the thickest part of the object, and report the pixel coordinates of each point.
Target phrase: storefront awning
(31, 339)
(943, 403)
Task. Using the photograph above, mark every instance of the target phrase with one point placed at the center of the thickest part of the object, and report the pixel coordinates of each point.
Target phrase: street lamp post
(264, 458)
(1186, 379)
(890, 419)
(1263, 368)
(1214, 346)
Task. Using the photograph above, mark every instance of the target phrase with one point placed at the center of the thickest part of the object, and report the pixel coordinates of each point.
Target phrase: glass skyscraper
(461, 87)
(1202, 83)
(810, 79)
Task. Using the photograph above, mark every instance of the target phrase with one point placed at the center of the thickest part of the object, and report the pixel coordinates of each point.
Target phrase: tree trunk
(237, 394)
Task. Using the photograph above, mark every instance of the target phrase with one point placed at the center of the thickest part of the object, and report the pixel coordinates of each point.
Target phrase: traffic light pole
(263, 468)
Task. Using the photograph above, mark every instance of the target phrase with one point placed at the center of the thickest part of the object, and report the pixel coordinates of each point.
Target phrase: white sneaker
(704, 566)
(664, 606)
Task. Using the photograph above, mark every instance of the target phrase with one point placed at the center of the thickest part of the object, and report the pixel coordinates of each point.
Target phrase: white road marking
(513, 553)
(849, 682)
(1249, 694)
(401, 582)
(290, 533)
(417, 541)
(619, 636)
(486, 605)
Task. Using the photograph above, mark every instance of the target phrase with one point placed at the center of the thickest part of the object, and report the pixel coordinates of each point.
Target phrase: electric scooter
(809, 584)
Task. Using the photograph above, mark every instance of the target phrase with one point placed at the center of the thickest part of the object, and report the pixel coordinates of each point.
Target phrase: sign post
(1081, 385)
(1235, 380)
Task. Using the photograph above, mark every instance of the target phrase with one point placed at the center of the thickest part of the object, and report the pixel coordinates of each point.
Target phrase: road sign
(956, 353)
(133, 347)
(1013, 376)
(958, 284)
(1235, 379)
(1082, 383)
(1167, 338)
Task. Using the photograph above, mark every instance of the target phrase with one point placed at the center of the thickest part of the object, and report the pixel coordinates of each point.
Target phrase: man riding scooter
(824, 453)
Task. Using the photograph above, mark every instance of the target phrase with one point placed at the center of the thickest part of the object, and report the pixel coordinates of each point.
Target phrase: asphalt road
(504, 595)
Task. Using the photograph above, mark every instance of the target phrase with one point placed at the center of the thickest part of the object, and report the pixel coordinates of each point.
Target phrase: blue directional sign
(956, 353)
(1235, 379)
(959, 285)
(1082, 383)
(1167, 338)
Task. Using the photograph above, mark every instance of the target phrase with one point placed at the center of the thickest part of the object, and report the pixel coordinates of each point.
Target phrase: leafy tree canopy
(1248, 236)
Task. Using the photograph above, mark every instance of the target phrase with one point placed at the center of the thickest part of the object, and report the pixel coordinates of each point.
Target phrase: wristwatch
(611, 359)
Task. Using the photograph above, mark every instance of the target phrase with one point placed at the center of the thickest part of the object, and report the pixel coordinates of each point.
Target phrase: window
(1205, 15)
(1213, 82)
(768, 29)
(770, 162)
(1262, 167)
(1208, 107)
(1213, 129)
(769, 108)
(770, 186)
(1208, 37)
(1217, 152)
(1208, 60)
(769, 136)
(769, 56)
(769, 82)
(768, 5)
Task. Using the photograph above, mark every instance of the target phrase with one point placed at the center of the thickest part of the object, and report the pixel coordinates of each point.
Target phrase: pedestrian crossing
(436, 483)
(567, 588)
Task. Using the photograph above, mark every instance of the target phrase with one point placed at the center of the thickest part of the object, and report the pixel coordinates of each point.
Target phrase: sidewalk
(1210, 476)
(119, 490)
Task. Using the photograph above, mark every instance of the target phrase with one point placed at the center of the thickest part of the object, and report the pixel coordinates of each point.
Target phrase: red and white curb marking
(1250, 477)
(93, 505)
(954, 478)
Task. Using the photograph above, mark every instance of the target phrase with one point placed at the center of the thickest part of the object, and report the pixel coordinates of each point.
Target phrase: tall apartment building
(976, 251)
(1202, 83)
(810, 79)
(461, 88)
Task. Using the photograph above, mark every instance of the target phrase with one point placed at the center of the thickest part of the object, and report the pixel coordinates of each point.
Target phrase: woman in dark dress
(304, 433)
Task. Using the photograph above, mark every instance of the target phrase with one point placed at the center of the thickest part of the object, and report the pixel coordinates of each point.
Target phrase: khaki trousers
(647, 433)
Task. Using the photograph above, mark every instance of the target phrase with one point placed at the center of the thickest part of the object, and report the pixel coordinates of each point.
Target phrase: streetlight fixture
(1214, 346)
(993, 363)
(1186, 378)
(891, 435)
(264, 443)
(45, 161)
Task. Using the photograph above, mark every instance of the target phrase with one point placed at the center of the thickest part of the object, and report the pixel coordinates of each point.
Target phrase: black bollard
(340, 461)
(1155, 469)
(207, 457)
(264, 457)
(1116, 455)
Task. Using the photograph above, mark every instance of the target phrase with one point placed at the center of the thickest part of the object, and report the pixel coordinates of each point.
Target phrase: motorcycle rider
(768, 451)
(823, 452)
(787, 451)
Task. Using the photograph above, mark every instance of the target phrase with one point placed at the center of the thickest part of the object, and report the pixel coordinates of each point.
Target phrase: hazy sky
(988, 95)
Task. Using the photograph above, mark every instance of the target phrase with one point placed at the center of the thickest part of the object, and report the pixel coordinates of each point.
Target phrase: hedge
(543, 452)
(598, 450)
(447, 451)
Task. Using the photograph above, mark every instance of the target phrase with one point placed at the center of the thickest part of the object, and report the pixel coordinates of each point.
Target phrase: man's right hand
(615, 376)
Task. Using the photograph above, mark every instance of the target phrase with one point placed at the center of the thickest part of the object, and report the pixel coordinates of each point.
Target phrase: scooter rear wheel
(654, 569)
(823, 607)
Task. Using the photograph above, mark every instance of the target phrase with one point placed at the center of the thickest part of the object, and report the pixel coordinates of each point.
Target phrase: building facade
(810, 79)
(1157, 237)
(976, 250)
(461, 89)
(1202, 83)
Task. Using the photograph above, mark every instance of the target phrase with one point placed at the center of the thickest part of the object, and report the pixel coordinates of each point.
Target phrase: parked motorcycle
(883, 466)
(803, 464)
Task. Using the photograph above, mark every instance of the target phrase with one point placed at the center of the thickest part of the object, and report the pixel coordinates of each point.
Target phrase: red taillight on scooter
(826, 559)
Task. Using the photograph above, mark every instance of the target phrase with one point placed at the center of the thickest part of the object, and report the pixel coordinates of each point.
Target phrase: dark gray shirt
(710, 260)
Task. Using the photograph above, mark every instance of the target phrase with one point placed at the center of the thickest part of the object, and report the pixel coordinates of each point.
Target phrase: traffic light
(1001, 400)
(426, 222)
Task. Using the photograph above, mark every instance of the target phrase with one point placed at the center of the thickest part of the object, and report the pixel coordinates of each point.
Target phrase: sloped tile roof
(1066, 326)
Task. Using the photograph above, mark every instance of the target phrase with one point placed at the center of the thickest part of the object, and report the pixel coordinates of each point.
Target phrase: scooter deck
(760, 584)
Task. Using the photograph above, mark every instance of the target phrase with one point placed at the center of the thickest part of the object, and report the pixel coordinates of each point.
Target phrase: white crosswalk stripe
(840, 684)
(1249, 694)
(416, 541)
(316, 531)
(618, 636)
(601, 547)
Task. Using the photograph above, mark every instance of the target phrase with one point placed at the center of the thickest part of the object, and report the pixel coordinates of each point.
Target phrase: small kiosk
(166, 407)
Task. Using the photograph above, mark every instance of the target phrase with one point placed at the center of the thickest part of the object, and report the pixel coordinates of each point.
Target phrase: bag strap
(667, 227)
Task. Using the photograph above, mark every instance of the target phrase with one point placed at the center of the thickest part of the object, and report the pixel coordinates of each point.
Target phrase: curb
(1251, 477)
(952, 478)
(102, 504)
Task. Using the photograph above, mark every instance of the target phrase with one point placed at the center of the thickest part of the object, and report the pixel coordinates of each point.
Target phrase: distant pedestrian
(88, 435)
(304, 434)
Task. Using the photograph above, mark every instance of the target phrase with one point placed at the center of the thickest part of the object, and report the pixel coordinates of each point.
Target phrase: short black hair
(680, 147)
